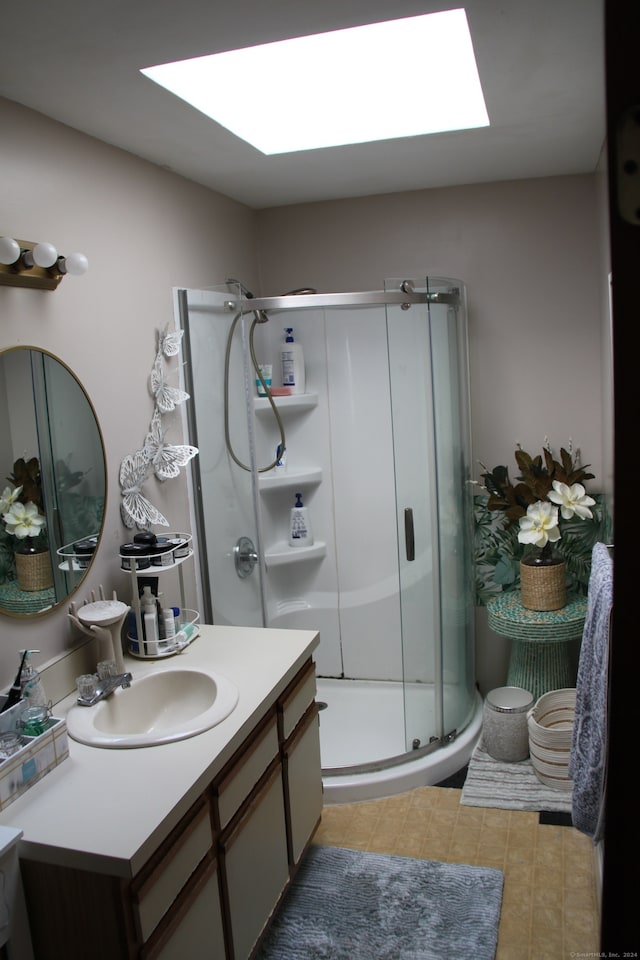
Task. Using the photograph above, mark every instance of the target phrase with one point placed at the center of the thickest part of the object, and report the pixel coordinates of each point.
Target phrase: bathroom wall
(528, 251)
(530, 254)
(144, 231)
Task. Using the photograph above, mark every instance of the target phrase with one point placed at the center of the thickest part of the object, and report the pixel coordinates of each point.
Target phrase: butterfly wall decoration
(157, 457)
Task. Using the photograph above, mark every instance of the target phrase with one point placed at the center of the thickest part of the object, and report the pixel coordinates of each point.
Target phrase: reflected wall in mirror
(52, 482)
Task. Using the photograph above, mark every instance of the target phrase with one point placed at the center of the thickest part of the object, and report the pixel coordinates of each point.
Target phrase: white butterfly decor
(135, 509)
(167, 397)
(166, 458)
(170, 341)
(163, 459)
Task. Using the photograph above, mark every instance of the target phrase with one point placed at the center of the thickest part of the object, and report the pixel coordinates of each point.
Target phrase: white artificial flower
(540, 525)
(571, 500)
(23, 520)
(8, 497)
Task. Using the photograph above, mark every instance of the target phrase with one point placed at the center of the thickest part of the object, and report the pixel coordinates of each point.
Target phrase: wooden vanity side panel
(86, 912)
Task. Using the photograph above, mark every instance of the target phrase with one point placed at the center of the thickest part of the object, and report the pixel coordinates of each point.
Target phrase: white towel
(587, 761)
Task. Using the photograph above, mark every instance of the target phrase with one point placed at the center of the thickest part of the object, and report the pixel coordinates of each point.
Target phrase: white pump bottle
(292, 358)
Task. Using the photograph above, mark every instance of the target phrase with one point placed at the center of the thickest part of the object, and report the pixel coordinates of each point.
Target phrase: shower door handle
(409, 538)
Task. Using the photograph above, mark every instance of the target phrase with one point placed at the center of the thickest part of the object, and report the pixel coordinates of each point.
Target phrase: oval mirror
(52, 482)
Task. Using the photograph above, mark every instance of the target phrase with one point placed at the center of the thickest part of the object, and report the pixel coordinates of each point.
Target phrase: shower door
(431, 440)
(224, 494)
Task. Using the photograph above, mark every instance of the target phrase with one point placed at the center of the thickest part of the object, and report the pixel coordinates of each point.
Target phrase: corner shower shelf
(281, 481)
(296, 401)
(281, 553)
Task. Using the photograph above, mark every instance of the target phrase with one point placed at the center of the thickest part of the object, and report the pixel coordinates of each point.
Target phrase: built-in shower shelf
(297, 401)
(289, 480)
(281, 553)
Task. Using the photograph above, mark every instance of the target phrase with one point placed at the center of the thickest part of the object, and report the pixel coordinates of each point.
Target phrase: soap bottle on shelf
(149, 609)
(292, 358)
(300, 534)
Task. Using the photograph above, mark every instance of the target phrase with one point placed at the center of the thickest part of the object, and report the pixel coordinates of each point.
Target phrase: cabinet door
(303, 784)
(195, 930)
(256, 865)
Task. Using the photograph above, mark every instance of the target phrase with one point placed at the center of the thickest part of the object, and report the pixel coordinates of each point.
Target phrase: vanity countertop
(108, 810)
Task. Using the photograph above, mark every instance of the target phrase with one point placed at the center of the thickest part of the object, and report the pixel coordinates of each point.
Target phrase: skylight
(382, 81)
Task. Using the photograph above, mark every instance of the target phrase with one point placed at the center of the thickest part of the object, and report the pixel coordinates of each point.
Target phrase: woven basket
(33, 571)
(543, 587)
(550, 725)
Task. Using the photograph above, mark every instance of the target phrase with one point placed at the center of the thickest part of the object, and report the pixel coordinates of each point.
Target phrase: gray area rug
(349, 905)
(509, 786)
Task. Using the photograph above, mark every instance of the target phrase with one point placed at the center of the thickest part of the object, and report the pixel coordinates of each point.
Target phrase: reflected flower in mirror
(21, 507)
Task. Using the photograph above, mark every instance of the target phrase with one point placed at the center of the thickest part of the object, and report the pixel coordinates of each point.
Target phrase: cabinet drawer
(240, 780)
(296, 700)
(256, 869)
(159, 883)
(195, 931)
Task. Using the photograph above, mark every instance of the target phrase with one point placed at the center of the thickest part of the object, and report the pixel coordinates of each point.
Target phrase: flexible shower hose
(256, 367)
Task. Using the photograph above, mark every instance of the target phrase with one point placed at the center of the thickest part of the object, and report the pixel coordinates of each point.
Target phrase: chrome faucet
(104, 688)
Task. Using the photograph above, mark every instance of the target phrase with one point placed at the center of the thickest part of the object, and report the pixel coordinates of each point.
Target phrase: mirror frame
(31, 615)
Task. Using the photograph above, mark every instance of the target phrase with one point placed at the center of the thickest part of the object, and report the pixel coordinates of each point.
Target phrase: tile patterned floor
(549, 907)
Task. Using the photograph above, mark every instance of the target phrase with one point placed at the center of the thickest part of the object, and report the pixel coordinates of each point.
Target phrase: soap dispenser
(32, 689)
(300, 534)
(292, 357)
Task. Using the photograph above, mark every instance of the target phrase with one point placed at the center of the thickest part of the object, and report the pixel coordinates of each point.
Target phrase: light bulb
(76, 264)
(44, 255)
(9, 250)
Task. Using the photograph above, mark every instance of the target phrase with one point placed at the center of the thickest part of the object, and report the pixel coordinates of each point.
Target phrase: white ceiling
(541, 64)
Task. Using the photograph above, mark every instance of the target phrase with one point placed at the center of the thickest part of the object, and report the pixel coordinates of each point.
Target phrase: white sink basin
(157, 708)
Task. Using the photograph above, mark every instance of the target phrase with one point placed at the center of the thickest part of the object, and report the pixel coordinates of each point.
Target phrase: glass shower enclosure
(379, 448)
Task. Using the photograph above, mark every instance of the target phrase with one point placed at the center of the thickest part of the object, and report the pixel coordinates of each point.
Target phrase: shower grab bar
(409, 536)
(343, 300)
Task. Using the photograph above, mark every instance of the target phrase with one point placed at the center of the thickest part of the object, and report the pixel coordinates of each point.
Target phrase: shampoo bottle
(292, 359)
(300, 534)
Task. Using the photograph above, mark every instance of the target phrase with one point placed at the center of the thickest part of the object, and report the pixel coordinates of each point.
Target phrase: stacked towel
(587, 762)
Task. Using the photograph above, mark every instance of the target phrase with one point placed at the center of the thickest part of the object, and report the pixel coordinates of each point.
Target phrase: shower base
(363, 723)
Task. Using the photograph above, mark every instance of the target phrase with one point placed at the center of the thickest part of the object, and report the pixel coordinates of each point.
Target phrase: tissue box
(33, 761)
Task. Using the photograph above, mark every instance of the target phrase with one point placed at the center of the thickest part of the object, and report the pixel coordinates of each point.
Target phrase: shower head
(299, 292)
(243, 290)
(260, 315)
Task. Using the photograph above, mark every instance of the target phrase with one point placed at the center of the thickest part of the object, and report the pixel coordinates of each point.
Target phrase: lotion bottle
(292, 358)
(300, 534)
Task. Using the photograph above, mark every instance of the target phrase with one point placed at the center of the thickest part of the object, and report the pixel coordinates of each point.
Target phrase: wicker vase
(33, 570)
(543, 582)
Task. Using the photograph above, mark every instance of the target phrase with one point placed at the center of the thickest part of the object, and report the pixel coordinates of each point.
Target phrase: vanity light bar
(36, 265)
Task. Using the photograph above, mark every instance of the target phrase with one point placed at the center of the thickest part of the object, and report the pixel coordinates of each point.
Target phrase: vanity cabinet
(212, 885)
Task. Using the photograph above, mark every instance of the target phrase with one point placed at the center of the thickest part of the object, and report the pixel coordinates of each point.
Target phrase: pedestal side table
(540, 658)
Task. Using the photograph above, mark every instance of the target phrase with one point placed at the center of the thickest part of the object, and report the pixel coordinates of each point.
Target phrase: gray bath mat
(509, 786)
(349, 905)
